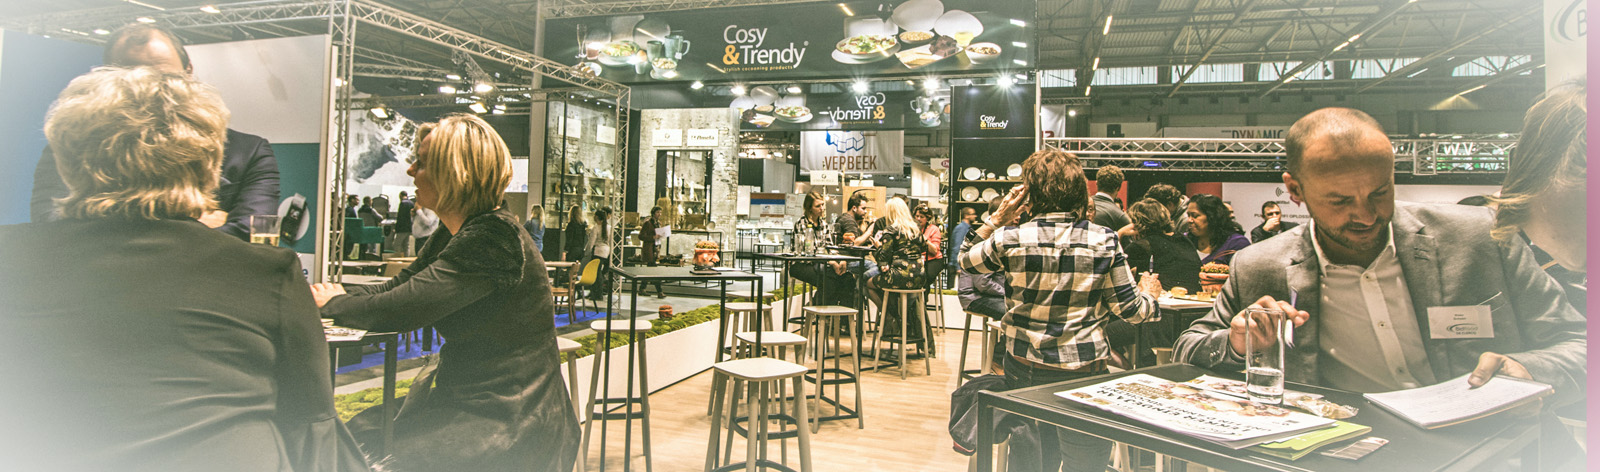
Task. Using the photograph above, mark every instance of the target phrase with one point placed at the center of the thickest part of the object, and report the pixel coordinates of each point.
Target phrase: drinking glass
(264, 229)
(1263, 365)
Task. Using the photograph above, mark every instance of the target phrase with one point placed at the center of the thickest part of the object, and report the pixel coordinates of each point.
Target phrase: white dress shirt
(1369, 337)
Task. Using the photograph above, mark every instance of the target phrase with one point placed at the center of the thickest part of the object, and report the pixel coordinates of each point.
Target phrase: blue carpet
(375, 358)
(584, 316)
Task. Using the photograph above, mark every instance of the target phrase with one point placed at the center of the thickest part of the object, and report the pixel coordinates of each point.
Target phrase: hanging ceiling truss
(1429, 156)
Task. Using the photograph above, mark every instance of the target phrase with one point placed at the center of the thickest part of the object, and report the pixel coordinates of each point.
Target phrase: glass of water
(1263, 365)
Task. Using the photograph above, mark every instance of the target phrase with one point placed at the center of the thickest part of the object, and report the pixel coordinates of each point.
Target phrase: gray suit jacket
(1107, 214)
(1448, 260)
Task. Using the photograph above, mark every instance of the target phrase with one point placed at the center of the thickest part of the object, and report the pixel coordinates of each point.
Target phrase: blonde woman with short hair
(497, 400)
(138, 333)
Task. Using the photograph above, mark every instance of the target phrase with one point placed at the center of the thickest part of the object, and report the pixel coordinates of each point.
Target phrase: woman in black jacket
(497, 401)
(575, 238)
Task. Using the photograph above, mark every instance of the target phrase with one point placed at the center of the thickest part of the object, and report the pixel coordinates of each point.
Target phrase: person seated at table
(1365, 279)
(1066, 278)
(1543, 199)
(899, 263)
(812, 227)
(497, 400)
(933, 235)
(218, 362)
(984, 294)
(1215, 235)
(1151, 239)
(1272, 223)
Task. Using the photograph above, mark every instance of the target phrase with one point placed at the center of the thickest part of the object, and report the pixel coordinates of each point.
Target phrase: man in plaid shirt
(1068, 277)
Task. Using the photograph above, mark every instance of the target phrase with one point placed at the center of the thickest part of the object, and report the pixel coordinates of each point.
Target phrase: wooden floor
(905, 423)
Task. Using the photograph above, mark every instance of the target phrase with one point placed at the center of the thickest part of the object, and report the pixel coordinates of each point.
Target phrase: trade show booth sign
(848, 111)
(853, 152)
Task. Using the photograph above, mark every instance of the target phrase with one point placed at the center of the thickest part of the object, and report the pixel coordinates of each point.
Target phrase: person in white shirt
(423, 223)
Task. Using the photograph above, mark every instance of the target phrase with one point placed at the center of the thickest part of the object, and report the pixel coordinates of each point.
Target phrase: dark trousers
(1079, 452)
(840, 288)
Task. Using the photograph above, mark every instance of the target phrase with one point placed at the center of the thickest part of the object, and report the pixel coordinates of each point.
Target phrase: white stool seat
(830, 310)
(759, 368)
(620, 325)
(772, 338)
(993, 324)
(567, 345)
(742, 294)
(747, 306)
(902, 290)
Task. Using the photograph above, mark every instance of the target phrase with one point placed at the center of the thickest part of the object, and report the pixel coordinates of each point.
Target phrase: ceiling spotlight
(447, 89)
(102, 31)
(145, 19)
(453, 76)
(499, 109)
(1006, 81)
(477, 107)
(930, 83)
(482, 87)
(738, 90)
(210, 9)
(1086, 90)
(860, 86)
(338, 82)
(1072, 112)
(379, 112)
(697, 85)
(793, 89)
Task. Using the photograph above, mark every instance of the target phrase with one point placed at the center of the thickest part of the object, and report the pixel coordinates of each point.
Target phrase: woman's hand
(323, 292)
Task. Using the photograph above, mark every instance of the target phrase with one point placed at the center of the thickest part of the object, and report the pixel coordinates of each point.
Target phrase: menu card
(1221, 419)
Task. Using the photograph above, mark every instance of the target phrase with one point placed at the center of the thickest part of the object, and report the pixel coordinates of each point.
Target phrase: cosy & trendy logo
(745, 51)
(868, 108)
(992, 122)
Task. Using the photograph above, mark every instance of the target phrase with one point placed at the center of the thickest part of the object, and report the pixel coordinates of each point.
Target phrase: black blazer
(497, 400)
(248, 186)
(134, 344)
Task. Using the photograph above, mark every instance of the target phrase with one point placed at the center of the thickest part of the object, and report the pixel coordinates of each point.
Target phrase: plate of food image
(941, 48)
(865, 48)
(916, 38)
(618, 53)
(793, 114)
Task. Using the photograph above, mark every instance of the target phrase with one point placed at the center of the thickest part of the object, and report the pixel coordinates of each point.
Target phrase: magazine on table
(1236, 388)
(1221, 419)
(336, 333)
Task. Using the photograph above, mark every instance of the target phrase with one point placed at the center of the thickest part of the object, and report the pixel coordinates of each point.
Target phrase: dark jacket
(1108, 214)
(1260, 233)
(248, 184)
(497, 401)
(1176, 261)
(983, 294)
(135, 344)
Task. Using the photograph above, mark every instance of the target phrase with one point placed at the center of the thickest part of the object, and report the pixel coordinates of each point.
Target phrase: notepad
(1296, 447)
(1452, 401)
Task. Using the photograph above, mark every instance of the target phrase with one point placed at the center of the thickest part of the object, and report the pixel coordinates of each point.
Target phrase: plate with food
(865, 48)
(969, 194)
(941, 48)
(760, 120)
(959, 25)
(793, 114)
(971, 173)
(618, 53)
(911, 38)
(930, 118)
(980, 53)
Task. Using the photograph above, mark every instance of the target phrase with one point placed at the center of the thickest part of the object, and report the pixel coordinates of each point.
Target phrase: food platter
(792, 114)
(865, 48)
(617, 53)
(939, 49)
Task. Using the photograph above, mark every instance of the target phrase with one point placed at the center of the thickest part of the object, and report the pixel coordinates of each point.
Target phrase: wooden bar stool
(908, 299)
(741, 316)
(990, 330)
(637, 362)
(570, 348)
(824, 323)
(758, 375)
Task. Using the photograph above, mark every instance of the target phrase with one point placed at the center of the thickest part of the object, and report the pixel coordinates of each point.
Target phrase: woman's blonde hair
(469, 164)
(137, 143)
(1551, 154)
(900, 219)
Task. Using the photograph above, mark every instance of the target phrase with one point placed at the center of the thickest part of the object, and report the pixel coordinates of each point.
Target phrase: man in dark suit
(249, 178)
(1272, 225)
(1107, 212)
(1375, 282)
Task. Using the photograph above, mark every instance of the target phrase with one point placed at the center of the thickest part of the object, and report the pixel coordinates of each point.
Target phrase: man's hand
(323, 292)
(214, 218)
(1010, 207)
(1264, 332)
(1151, 284)
(1491, 364)
(1127, 232)
(1272, 223)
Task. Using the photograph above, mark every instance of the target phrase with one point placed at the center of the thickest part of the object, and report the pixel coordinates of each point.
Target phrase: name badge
(1460, 322)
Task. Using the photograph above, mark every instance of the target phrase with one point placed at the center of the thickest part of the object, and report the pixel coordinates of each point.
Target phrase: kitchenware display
(971, 173)
(1014, 171)
(969, 194)
(989, 194)
(989, 176)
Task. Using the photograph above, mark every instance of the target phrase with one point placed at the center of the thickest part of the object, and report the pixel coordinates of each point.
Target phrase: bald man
(1382, 289)
(249, 174)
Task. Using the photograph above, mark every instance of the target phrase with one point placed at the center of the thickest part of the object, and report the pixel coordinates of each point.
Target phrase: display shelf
(997, 181)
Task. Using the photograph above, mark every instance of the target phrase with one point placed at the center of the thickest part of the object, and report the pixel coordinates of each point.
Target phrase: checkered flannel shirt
(1067, 278)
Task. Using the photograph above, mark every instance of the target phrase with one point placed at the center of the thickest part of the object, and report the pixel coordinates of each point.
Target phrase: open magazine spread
(1176, 406)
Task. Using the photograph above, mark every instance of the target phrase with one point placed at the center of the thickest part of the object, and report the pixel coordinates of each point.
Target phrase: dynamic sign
(814, 40)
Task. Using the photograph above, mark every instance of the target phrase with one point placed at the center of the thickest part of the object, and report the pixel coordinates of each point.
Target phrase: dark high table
(790, 259)
(1482, 444)
(637, 276)
(390, 359)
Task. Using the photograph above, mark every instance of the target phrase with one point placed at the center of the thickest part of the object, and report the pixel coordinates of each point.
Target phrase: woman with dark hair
(1212, 230)
(1154, 247)
(496, 400)
(931, 234)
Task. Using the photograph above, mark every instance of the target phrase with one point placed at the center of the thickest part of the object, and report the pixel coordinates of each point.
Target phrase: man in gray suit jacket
(1107, 213)
(1374, 282)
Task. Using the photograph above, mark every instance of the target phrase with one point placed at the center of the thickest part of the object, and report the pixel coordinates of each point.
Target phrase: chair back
(591, 273)
(353, 223)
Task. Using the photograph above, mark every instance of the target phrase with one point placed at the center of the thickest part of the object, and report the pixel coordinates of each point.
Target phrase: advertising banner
(853, 152)
(1566, 39)
(812, 40)
(991, 111)
(1225, 132)
(848, 111)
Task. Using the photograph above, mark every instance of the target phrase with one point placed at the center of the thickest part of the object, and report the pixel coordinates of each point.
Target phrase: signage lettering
(991, 122)
(1257, 133)
(850, 163)
(744, 49)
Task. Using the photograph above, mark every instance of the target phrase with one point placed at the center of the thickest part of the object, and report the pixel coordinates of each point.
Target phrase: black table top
(791, 257)
(1461, 447)
(366, 339)
(679, 273)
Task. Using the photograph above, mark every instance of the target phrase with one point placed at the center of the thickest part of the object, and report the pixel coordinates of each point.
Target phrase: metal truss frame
(342, 18)
(1427, 156)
